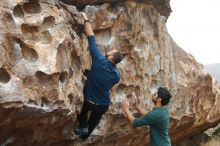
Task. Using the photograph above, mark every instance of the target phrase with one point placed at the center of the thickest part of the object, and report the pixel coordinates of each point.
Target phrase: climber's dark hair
(164, 94)
(117, 57)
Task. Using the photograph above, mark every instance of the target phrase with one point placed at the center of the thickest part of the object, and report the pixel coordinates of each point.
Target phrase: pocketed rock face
(162, 6)
(43, 54)
(40, 75)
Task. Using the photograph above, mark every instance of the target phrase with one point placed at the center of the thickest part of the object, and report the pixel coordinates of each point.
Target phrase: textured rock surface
(43, 53)
(162, 6)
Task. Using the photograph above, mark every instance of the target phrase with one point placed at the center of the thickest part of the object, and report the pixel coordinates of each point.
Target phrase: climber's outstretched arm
(140, 110)
(94, 51)
(125, 106)
(88, 27)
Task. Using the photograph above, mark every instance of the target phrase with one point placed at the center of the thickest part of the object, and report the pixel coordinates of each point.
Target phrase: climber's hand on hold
(88, 27)
(84, 16)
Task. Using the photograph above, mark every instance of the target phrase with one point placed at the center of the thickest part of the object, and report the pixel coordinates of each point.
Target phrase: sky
(195, 26)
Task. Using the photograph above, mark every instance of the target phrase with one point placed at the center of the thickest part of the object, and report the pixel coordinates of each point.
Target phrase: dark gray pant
(96, 114)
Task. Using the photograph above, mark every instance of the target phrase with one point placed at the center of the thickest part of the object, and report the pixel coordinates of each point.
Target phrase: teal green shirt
(158, 119)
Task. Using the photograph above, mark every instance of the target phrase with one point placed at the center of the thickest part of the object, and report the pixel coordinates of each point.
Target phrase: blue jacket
(102, 77)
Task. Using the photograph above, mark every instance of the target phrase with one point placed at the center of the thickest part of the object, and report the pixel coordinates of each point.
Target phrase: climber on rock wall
(157, 119)
(102, 76)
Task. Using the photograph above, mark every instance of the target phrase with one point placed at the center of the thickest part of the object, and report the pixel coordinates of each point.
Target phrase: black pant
(96, 114)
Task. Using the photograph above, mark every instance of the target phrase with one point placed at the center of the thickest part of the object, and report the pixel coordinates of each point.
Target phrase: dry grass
(212, 142)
